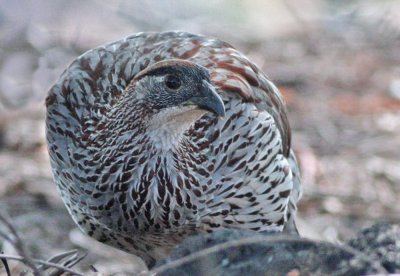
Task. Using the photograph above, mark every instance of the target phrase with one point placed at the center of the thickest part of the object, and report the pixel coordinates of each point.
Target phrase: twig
(73, 259)
(16, 241)
(45, 263)
(6, 267)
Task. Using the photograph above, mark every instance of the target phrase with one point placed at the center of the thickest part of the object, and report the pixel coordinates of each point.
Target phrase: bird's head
(171, 95)
(176, 85)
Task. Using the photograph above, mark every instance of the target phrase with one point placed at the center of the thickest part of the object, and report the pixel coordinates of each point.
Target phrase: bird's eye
(172, 82)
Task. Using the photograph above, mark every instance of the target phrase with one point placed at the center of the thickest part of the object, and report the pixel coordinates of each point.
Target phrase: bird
(164, 135)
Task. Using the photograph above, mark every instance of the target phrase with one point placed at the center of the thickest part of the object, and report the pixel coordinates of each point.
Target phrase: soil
(337, 66)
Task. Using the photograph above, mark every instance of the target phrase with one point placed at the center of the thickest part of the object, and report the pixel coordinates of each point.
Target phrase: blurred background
(337, 63)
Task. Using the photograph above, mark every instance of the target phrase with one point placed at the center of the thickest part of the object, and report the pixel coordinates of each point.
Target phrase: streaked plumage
(140, 166)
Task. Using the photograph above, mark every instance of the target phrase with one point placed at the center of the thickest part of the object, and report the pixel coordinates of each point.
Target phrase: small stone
(333, 205)
(395, 88)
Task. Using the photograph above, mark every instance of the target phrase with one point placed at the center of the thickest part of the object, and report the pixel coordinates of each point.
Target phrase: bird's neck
(133, 127)
(167, 128)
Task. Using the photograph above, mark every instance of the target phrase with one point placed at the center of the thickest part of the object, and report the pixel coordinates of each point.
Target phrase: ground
(338, 67)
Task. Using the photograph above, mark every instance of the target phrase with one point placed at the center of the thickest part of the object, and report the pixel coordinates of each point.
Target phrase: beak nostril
(209, 99)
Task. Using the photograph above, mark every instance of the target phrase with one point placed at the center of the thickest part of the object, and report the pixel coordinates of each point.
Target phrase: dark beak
(209, 99)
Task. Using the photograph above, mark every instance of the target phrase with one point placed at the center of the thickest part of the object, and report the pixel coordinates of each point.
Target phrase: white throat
(167, 127)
